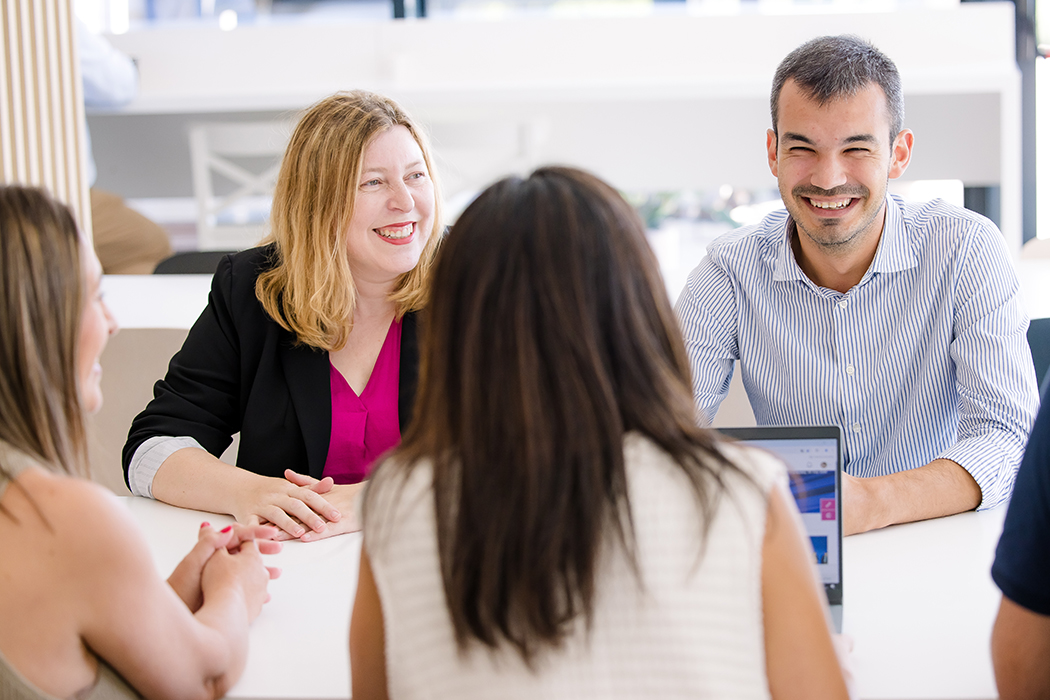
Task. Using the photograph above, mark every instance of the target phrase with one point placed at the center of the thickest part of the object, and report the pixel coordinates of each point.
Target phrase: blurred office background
(667, 99)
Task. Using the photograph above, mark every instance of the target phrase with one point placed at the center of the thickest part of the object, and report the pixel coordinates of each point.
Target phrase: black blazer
(239, 371)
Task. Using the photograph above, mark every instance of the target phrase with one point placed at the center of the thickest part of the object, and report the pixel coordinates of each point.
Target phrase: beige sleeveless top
(13, 686)
(108, 686)
(692, 631)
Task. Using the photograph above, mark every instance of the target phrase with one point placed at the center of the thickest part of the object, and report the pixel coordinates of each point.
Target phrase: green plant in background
(653, 207)
(732, 206)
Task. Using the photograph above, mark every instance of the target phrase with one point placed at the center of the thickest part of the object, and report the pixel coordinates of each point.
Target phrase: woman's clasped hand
(239, 546)
(301, 507)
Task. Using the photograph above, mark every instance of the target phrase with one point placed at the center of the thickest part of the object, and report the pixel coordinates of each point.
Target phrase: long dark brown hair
(42, 297)
(549, 337)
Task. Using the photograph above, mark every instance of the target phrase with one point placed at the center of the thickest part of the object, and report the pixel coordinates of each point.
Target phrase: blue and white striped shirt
(925, 358)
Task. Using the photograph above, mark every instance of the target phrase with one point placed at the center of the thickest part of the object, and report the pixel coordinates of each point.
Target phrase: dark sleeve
(408, 370)
(200, 396)
(1022, 559)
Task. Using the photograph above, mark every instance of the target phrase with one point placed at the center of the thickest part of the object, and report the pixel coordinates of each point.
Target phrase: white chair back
(246, 157)
(472, 154)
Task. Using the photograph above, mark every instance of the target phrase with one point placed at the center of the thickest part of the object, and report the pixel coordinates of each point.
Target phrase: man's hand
(939, 488)
(859, 505)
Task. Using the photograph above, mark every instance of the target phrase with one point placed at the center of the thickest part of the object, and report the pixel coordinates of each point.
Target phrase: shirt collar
(894, 253)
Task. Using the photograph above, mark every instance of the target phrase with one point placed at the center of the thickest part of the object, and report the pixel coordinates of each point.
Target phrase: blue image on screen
(820, 548)
(809, 488)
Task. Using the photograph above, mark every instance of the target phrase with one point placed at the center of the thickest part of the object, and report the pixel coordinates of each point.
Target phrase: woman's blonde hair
(310, 290)
(41, 285)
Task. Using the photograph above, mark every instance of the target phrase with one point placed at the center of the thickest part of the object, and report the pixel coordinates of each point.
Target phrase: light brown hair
(310, 290)
(42, 289)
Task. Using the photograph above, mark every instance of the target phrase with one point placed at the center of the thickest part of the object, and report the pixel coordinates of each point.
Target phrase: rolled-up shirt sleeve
(147, 460)
(995, 377)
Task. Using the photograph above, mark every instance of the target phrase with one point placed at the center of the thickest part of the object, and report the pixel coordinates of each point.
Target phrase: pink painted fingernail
(204, 525)
(227, 528)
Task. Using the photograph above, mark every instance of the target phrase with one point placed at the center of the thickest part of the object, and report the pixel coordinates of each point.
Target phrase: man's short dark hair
(830, 67)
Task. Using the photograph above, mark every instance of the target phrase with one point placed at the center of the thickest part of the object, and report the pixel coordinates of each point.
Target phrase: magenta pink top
(365, 426)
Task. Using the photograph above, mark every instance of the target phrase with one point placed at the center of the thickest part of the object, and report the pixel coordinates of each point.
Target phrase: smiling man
(899, 322)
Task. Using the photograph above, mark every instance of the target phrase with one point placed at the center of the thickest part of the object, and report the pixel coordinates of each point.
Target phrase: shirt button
(849, 370)
(843, 304)
(856, 427)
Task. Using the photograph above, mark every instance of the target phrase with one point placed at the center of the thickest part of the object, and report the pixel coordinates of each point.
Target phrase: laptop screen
(813, 458)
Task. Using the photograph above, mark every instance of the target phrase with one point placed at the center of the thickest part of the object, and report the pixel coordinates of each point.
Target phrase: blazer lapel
(309, 384)
(408, 370)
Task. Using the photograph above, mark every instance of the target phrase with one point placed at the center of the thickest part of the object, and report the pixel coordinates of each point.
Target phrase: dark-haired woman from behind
(83, 613)
(554, 523)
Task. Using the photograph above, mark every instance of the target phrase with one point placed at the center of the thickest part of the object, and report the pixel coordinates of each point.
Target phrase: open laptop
(814, 459)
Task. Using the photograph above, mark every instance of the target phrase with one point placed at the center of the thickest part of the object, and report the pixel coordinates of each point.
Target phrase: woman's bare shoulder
(64, 499)
(82, 520)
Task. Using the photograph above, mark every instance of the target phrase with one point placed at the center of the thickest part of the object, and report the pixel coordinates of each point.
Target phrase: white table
(299, 646)
(156, 301)
(918, 603)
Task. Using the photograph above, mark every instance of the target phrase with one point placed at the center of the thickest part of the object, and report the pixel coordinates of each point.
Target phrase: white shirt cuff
(148, 458)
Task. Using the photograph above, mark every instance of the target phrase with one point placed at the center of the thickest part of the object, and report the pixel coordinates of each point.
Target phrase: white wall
(660, 102)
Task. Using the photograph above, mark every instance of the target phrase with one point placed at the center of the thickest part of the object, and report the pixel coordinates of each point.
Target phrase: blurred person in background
(126, 241)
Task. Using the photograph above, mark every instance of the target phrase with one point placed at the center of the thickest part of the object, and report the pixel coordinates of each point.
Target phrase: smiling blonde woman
(307, 347)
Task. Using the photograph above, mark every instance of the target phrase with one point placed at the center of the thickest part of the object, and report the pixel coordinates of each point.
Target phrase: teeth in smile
(831, 205)
(397, 232)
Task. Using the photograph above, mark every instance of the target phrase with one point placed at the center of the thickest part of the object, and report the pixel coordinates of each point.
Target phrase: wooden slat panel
(7, 158)
(41, 94)
(30, 108)
(52, 125)
(74, 120)
(41, 105)
(13, 108)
